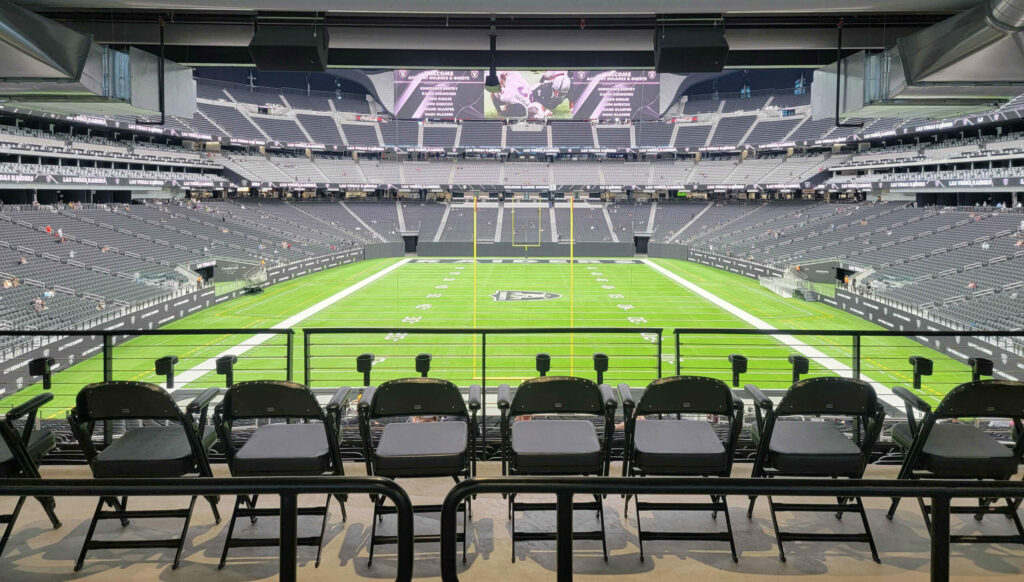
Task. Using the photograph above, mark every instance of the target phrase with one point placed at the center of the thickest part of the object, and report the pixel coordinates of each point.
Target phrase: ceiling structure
(595, 34)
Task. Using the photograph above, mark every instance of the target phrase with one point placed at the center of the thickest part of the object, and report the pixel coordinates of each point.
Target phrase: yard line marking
(883, 391)
(209, 365)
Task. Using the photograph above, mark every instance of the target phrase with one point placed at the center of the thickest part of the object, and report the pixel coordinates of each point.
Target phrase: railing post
(108, 358)
(940, 538)
(678, 359)
(289, 352)
(483, 393)
(289, 537)
(108, 376)
(659, 353)
(856, 357)
(563, 536)
(306, 359)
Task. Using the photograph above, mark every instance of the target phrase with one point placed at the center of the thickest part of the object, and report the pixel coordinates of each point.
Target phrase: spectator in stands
(48, 294)
(60, 233)
(71, 254)
(104, 249)
(48, 229)
(22, 261)
(101, 305)
(985, 245)
(972, 285)
(1019, 243)
(8, 284)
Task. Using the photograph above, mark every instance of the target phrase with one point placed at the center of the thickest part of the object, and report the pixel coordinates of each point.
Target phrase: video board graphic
(604, 95)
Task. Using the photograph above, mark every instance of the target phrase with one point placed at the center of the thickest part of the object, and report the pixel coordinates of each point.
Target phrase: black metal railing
(564, 488)
(484, 356)
(881, 355)
(287, 488)
(261, 352)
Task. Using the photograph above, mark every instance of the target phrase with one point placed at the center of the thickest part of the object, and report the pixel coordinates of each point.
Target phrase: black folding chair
(681, 447)
(159, 450)
(556, 446)
(816, 449)
(940, 447)
(280, 449)
(20, 452)
(445, 448)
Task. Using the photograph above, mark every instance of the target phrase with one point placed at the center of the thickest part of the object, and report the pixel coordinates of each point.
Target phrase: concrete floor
(37, 553)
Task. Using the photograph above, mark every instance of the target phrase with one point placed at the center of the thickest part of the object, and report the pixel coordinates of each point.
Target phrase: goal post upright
(572, 282)
(475, 199)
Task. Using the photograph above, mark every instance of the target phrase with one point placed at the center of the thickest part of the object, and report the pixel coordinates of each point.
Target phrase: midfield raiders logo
(523, 295)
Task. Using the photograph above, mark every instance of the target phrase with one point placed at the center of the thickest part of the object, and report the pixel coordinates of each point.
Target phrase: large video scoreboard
(604, 95)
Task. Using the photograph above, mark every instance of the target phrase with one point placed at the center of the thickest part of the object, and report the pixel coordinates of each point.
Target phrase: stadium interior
(517, 291)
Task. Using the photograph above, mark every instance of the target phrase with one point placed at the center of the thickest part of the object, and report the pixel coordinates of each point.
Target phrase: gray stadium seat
(679, 446)
(942, 446)
(20, 452)
(560, 446)
(419, 449)
(174, 450)
(306, 448)
(816, 449)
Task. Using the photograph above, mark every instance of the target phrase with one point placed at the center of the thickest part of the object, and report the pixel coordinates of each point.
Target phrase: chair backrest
(686, 395)
(994, 398)
(557, 395)
(417, 397)
(125, 400)
(828, 395)
(269, 399)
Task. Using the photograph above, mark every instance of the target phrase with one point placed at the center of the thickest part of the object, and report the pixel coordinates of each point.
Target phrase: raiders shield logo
(1003, 358)
(523, 295)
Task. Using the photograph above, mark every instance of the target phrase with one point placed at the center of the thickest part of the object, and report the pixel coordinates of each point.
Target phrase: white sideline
(841, 369)
(182, 380)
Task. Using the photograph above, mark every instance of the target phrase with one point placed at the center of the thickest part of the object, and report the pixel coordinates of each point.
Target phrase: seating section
(653, 134)
(484, 134)
(321, 128)
(439, 136)
(613, 137)
(771, 131)
(692, 136)
(233, 122)
(361, 134)
(730, 130)
(572, 134)
(281, 129)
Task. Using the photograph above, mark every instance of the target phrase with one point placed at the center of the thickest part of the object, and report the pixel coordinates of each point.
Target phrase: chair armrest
(737, 403)
(202, 401)
(760, 399)
(912, 399)
(504, 397)
(474, 397)
(29, 407)
(340, 400)
(625, 395)
(611, 399)
(367, 399)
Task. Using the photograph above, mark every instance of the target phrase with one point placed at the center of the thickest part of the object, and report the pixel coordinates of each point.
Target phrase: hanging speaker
(690, 49)
(289, 48)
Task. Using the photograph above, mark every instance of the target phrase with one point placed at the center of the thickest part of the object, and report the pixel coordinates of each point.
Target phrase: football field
(629, 298)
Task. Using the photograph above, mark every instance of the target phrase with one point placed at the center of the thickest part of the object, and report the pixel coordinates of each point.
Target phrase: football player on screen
(552, 90)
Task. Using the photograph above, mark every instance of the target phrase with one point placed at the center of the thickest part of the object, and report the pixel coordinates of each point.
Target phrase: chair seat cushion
(678, 447)
(556, 447)
(284, 449)
(421, 449)
(959, 450)
(40, 443)
(150, 451)
(813, 448)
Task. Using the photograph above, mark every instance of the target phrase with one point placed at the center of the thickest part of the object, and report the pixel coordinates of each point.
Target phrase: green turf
(416, 296)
